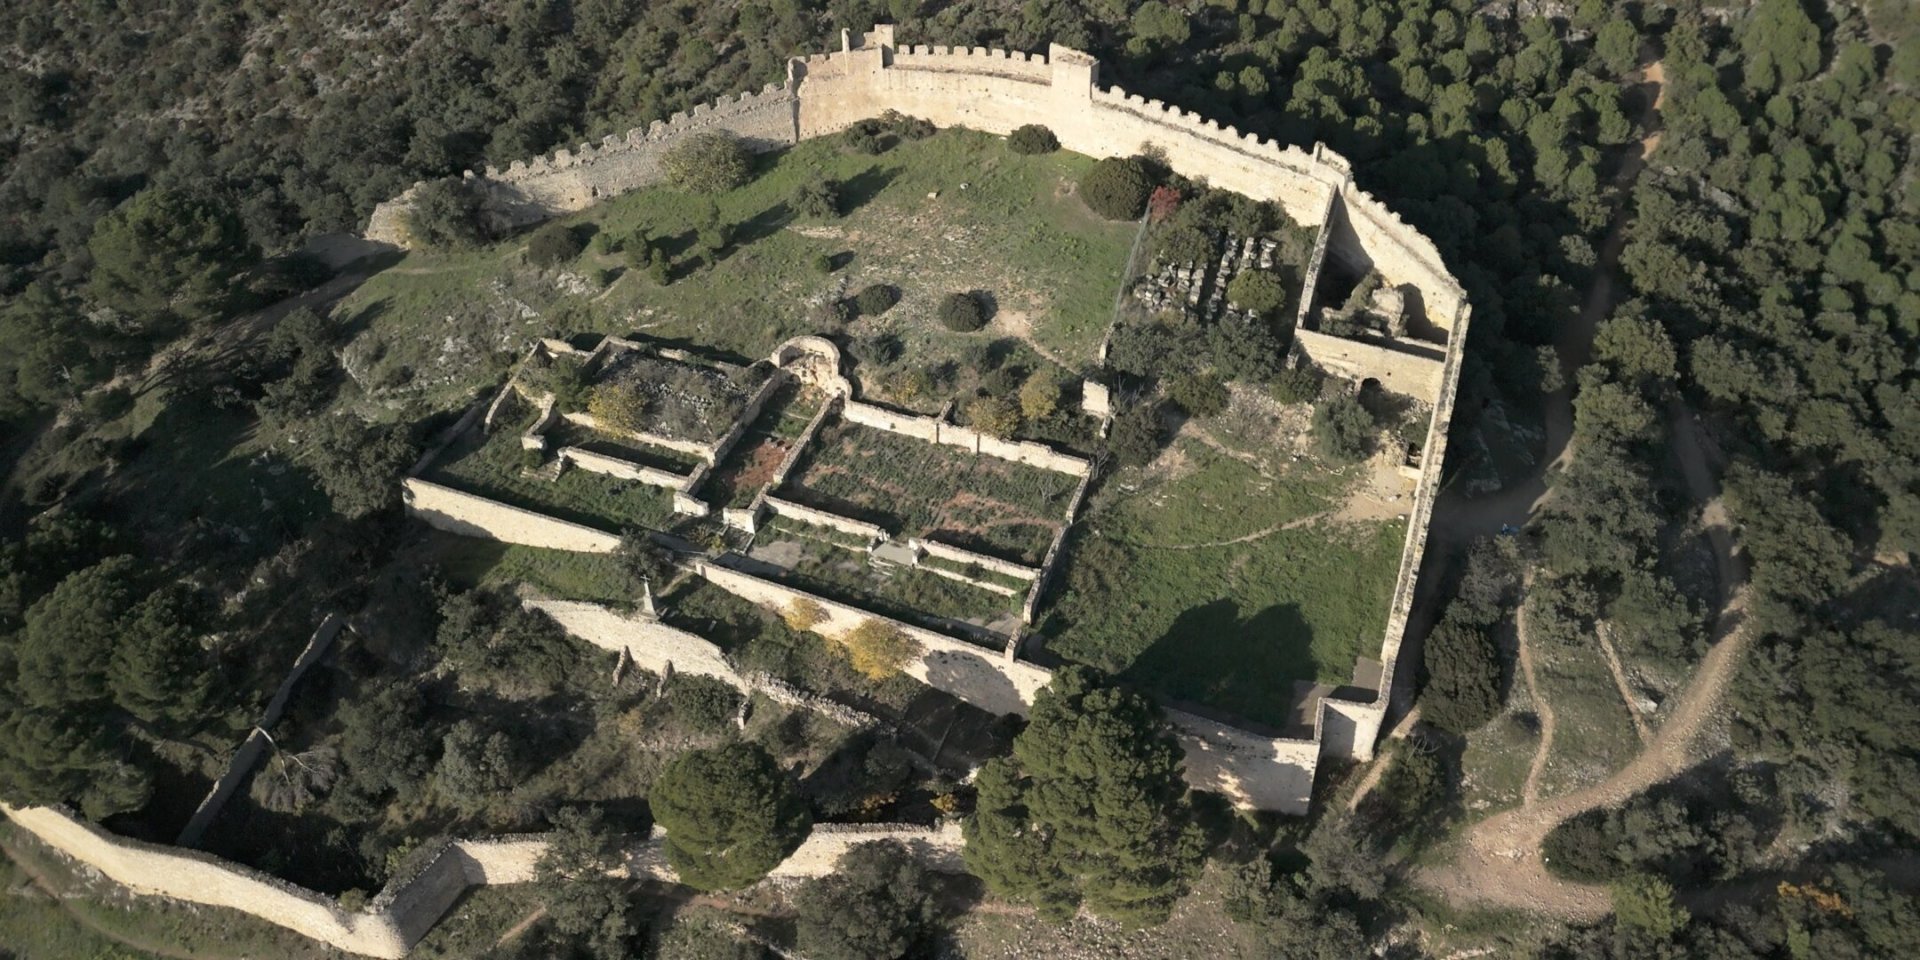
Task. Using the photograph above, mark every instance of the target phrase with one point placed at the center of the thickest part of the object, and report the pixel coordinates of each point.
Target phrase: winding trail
(1295, 523)
(1530, 791)
(1499, 861)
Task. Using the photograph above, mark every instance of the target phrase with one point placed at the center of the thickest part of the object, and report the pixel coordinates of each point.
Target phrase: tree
(819, 199)
(291, 782)
(876, 299)
(1161, 25)
(879, 649)
(994, 416)
(359, 465)
(48, 757)
(962, 312)
(475, 769)
(68, 640)
(554, 244)
(1296, 385)
(384, 743)
(709, 162)
(1644, 902)
(582, 901)
(1636, 347)
(730, 815)
(1200, 395)
(445, 215)
(697, 933)
(1463, 677)
(1137, 435)
(160, 672)
(619, 406)
(804, 614)
(1617, 44)
(1115, 188)
(1781, 45)
(1259, 291)
(166, 256)
(1342, 428)
(1032, 138)
(1245, 351)
(877, 905)
(1089, 810)
(1039, 396)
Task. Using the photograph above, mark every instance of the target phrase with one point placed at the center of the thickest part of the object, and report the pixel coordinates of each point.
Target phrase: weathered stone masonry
(996, 91)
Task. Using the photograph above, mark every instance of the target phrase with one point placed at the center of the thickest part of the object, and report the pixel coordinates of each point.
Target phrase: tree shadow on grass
(862, 188)
(1244, 667)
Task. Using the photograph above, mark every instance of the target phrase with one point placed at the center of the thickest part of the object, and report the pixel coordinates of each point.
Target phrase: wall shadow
(1245, 667)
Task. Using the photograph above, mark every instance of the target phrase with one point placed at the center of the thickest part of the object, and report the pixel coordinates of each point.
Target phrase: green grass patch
(568, 434)
(437, 325)
(467, 562)
(1593, 734)
(916, 488)
(903, 593)
(1155, 589)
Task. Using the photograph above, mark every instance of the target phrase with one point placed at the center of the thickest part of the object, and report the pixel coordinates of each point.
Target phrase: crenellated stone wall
(993, 91)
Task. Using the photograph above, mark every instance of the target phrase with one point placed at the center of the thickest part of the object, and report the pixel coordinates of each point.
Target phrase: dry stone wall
(454, 511)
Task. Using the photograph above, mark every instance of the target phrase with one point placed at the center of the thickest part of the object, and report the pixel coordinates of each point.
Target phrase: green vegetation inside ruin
(750, 465)
(905, 593)
(494, 465)
(918, 488)
(1015, 231)
(1198, 578)
(566, 433)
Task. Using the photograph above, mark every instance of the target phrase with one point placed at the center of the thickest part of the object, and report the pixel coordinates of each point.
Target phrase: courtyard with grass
(493, 464)
(1214, 582)
(916, 488)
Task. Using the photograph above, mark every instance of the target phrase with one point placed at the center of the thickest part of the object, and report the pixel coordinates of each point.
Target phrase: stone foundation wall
(935, 548)
(445, 508)
(936, 430)
(652, 644)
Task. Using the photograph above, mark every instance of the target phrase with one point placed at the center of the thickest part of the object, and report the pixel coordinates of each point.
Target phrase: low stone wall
(805, 514)
(256, 743)
(935, 548)
(690, 447)
(934, 430)
(624, 469)
(469, 515)
(1400, 371)
(748, 414)
(973, 673)
(1030, 611)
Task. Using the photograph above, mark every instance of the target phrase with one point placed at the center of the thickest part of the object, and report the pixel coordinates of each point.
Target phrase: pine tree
(730, 815)
(160, 672)
(1089, 810)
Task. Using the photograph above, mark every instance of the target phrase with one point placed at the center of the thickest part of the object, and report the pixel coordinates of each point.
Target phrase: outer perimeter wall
(996, 91)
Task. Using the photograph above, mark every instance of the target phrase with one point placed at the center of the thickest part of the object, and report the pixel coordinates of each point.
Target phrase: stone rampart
(1266, 773)
(1401, 371)
(973, 673)
(992, 91)
(748, 414)
(400, 915)
(1030, 611)
(469, 515)
(624, 469)
(195, 877)
(872, 532)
